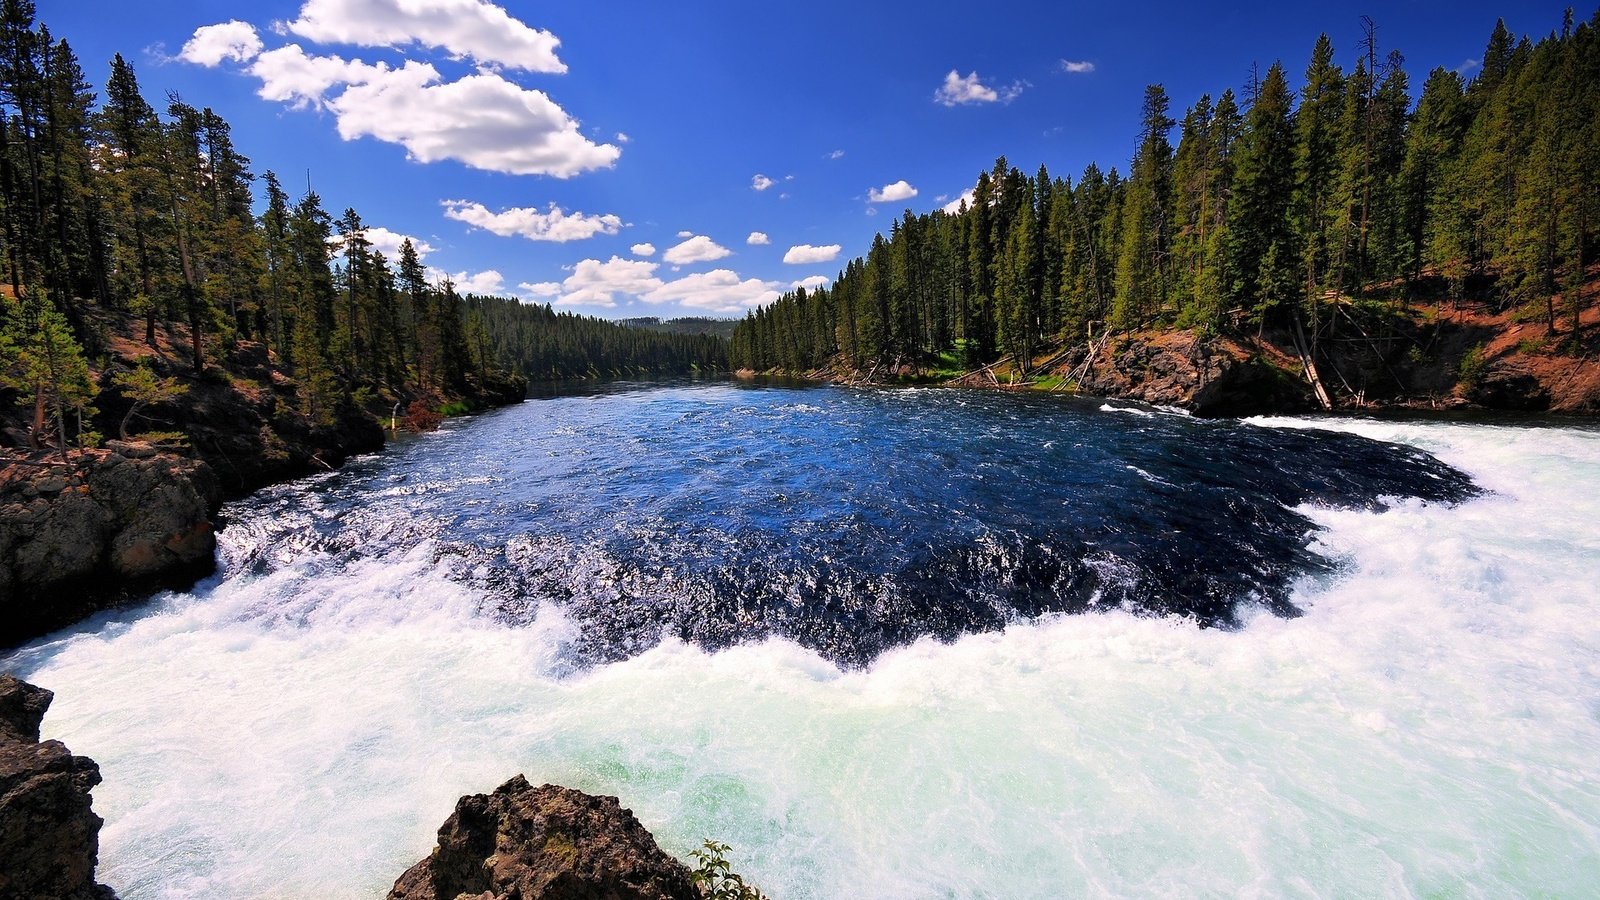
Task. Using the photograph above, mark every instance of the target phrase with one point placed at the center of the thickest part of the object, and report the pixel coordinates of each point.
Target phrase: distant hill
(722, 328)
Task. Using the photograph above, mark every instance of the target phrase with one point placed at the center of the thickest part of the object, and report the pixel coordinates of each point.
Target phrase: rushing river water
(910, 643)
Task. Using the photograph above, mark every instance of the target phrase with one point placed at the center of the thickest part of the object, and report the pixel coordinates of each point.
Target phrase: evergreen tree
(1261, 240)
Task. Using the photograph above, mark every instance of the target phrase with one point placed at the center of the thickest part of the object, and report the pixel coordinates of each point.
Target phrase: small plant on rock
(715, 877)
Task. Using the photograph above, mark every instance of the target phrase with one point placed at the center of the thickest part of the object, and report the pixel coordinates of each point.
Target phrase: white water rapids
(1430, 727)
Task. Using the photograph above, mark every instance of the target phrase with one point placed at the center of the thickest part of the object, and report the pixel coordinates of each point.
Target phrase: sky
(680, 159)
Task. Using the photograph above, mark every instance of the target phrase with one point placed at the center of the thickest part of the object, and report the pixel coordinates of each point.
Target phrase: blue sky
(625, 159)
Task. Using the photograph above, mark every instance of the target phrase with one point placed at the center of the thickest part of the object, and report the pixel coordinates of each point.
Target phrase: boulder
(544, 843)
(49, 835)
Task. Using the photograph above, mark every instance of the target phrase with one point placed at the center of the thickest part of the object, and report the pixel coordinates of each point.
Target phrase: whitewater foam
(1427, 728)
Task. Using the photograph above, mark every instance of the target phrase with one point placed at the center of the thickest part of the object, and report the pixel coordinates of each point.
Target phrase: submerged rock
(544, 843)
(49, 835)
(74, 540)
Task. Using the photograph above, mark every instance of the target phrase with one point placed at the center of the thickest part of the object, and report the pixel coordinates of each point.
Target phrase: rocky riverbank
(104, 527)
(1442, 356)
(86, 530)
(49, 834)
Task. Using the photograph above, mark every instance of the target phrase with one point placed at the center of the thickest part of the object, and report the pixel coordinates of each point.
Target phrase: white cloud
(622, 137)
(1465, 67)
(761, 182)
(543, 289)
(805, 254)
(643, 249)
(600, 284)
(891, 193)
(954, 206)
(556, 225)
(1077, 67)
(758, 239)
(288, 75)
(481, 120)
(388, 243)
(469, 29)
(958, 90)
(813, 282)
(696, 249)
(596, 283)
(719, 290)
(685, 234)
(488, 283)
(212, 44)
(837, 154)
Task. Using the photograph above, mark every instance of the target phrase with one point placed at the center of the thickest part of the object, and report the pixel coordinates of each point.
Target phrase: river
(885, 643)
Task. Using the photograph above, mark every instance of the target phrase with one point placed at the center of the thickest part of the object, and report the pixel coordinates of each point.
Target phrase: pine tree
(1261, 239)
(1141, 290)
(1318, 139)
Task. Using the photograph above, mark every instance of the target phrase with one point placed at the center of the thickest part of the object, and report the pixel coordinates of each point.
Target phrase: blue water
(849, 521)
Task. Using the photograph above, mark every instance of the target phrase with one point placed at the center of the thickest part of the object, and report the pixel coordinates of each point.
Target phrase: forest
(114, 212)
(1297, 211)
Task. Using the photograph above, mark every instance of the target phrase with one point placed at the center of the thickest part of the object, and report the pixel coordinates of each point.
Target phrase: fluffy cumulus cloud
(761, 182)
(758, 239)
(489, 283)
(698, 248)
(596, 283)
(892, 193)
(602, 284)
(1077, 66)
(482, 120)
(812, 283)
(805, 254)
(543, 290)
(211, 44)
(959, 90)
(388, 243)
(643, 249)
(554, 225)
(719, 290)
(467, 29)
(954, 206)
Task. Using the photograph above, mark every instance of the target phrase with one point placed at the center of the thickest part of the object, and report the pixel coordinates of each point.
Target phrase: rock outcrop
(49, 835)
(115, 524)
(1206, 377)
(544, 843)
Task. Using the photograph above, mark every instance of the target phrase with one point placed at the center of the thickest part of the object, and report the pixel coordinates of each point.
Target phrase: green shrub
(1472, 368)
(716, 879)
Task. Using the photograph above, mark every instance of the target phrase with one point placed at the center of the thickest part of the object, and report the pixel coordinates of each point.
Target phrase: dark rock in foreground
(115, 524)
(544, 843)
(49, 835)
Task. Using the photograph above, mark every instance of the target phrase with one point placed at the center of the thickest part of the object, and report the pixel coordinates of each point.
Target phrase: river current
(893, 643)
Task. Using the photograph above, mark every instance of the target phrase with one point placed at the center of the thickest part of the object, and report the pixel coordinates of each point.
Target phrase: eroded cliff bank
(104, 527)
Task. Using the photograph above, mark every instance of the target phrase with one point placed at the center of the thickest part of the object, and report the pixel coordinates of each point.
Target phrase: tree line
(115, 209)
(1277, 209)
